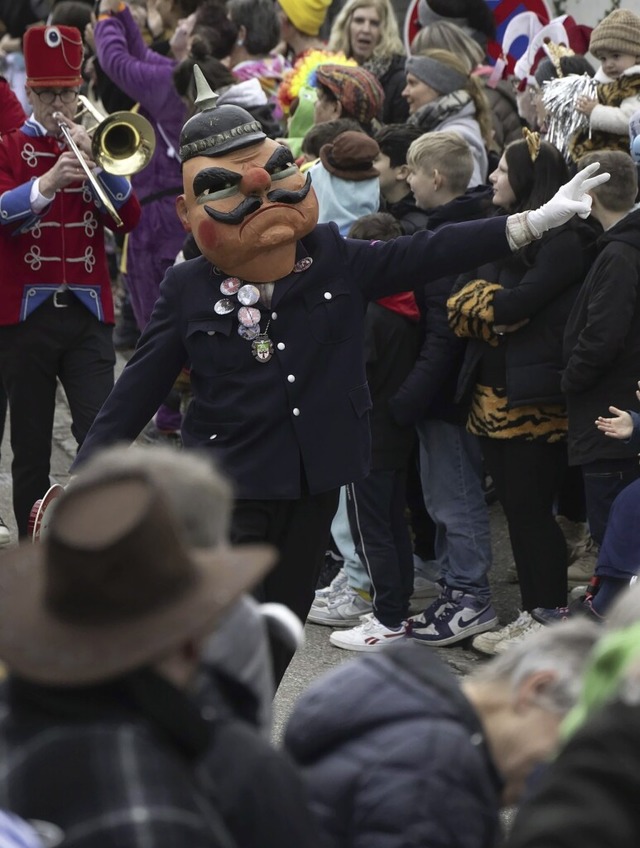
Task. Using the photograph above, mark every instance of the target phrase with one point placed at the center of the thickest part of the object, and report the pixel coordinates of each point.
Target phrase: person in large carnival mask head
(270, 320)
(247, 209)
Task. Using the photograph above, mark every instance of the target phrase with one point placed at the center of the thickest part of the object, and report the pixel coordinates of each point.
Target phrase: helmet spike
(206, 98)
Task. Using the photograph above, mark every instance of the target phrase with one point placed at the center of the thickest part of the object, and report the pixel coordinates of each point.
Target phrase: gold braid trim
(470, 311)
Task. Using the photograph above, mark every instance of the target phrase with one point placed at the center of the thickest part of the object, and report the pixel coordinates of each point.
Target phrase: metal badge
(230, 286)
(224, 306)
(302, 265)
(248, 295)
(249, 333)
(248, 316)
(262, 348)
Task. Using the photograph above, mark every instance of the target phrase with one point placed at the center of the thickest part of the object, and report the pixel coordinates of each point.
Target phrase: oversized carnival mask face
(247, 209)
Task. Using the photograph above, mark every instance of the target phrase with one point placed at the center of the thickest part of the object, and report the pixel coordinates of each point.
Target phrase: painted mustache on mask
(252, 204)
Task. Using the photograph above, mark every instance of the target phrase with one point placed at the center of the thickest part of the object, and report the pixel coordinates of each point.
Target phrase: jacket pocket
(211, 345)
(360, 398)
(331, 313)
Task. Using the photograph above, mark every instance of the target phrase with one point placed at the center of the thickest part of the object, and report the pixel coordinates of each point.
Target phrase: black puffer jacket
(541, 289)
(602, 343)
(394, 756)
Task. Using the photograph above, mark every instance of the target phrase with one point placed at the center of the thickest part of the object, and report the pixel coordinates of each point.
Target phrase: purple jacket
(147, 77)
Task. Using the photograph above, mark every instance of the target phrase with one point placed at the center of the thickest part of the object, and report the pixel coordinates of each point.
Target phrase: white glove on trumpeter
(570, 199)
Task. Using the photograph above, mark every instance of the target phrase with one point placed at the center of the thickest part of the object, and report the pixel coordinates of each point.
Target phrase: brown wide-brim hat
(74, 611)
(351, 156)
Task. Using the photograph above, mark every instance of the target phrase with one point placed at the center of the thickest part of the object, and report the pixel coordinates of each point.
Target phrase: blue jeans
(604, 479)
(451, 472)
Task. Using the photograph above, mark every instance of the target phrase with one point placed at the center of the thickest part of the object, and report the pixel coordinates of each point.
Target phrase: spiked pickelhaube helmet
(215, 130)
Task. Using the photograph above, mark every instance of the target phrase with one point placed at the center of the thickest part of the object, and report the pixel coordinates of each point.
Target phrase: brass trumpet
(122, 143)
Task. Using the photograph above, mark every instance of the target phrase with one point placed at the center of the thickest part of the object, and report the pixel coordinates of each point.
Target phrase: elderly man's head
(523, 696)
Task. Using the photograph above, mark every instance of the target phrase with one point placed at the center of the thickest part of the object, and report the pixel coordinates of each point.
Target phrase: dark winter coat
(394, 755)
(391, 342)
(542, 289)
(392, 77)
(429, 390)
(405, 211)
(135, 763)
(302, 418)
(589, 796)
(602, 343)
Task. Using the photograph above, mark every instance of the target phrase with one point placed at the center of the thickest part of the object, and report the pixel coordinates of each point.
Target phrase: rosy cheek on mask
(207, 236)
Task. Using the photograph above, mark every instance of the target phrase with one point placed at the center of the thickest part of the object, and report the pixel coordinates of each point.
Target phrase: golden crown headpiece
(556, 52)
(533, 142)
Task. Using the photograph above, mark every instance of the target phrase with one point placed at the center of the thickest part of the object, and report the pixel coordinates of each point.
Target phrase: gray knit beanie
(619, 32)
(436, 75)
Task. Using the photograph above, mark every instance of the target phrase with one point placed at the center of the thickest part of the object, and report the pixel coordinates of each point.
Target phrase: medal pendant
(262, 348)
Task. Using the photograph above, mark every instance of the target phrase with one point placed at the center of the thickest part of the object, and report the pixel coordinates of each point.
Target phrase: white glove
(570, 199)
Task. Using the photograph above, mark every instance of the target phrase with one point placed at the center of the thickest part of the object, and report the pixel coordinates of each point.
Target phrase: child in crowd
(321, 134)
(347, 187)
(376, 505)
(602, 347)
(440, 165)
(394, 141)
(345, 180)
(619, 557)
(615, 42)
(513, 313)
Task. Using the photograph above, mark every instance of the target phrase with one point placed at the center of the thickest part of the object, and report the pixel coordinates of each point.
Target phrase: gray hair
(563, 648)
(198, 494)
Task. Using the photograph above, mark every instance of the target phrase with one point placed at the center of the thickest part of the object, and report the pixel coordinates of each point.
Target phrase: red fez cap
(53, 56)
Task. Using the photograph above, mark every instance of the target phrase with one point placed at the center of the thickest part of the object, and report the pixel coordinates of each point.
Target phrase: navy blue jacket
(394, 756)
(299, 422)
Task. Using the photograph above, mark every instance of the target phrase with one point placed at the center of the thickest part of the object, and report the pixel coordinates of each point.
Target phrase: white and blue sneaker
(329, 593)
(458, 616)
(343, 610)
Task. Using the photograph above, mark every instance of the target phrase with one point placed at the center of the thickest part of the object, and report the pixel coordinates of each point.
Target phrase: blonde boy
(440, 167)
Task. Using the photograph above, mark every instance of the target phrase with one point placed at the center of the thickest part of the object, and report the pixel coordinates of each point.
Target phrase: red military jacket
(63, 244)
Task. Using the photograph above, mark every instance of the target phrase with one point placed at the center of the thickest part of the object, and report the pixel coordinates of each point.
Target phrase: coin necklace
(248, 316)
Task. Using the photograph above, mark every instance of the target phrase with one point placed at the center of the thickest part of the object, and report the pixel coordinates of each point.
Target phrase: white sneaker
(498, 641)
(5, 535)
(328, 593)
(345, 610)
(369, 635)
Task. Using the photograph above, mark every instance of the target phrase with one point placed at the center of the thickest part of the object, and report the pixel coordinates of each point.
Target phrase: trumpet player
(56, 309)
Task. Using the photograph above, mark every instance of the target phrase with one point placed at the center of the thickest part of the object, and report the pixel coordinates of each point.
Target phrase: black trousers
(66, 343)
(527, 477)
(300, 530)
(377, 515)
